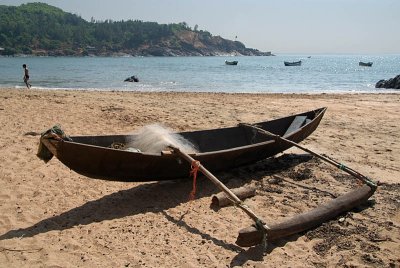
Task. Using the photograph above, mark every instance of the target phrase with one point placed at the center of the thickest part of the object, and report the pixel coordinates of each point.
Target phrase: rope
(193, 172)
(53, 133)
(361, 178)
(260, 227)
(259, 224)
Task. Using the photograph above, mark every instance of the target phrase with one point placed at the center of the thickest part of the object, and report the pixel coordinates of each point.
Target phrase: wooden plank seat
(298, 121)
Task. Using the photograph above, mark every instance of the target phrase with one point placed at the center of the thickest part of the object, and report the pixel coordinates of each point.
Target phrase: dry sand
(52, 217)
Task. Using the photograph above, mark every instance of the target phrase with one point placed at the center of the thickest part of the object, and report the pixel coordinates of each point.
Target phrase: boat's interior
(218, 139)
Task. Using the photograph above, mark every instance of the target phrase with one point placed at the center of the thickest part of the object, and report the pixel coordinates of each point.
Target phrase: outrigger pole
(251, 236)
(346, 169)
(260, 233)
(261, 226)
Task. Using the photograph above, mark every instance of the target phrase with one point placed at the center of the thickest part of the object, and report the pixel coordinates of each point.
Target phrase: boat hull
(231, 62)
(219, 150)
(295, 63)
(365, 64)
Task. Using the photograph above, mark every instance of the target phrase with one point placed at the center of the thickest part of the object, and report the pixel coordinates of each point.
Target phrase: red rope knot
(194, 168)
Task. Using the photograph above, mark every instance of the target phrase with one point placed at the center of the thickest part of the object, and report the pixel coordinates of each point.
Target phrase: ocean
(317, 74)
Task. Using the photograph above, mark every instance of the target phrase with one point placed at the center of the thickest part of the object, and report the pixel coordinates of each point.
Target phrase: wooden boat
(218, 149)
(235, 62)
(294, 63)
(366, 64)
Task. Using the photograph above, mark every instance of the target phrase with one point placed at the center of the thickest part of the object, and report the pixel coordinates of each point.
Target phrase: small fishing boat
(217, 149)
(294, 63)
(366, 64)
(235, 62)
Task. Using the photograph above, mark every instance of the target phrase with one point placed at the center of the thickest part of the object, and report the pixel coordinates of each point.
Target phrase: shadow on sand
(157, 198)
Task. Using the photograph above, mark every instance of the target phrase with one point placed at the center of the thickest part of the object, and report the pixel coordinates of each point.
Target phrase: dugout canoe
(218, 150)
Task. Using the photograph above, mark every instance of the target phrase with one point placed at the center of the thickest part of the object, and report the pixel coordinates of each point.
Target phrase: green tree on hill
(40, 28)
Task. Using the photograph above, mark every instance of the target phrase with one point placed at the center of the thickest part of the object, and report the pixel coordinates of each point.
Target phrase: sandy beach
(51, 216)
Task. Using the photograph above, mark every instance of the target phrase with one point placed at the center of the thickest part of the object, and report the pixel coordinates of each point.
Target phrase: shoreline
(52, 216)
(378, 91)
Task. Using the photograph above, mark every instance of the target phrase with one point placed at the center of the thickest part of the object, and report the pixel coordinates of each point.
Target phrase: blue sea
(317, 74)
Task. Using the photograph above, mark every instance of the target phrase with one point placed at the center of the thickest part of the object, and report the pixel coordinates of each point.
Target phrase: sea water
(317, 74)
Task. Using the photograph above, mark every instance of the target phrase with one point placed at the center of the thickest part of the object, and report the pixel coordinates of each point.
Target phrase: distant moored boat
(367, 64)
(294, 63)
(235, 62)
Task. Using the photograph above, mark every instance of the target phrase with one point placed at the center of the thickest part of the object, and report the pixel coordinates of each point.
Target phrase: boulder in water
(390, 83)
(132, 79)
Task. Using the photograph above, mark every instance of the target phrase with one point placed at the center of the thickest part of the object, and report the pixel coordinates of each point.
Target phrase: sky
(279, 26)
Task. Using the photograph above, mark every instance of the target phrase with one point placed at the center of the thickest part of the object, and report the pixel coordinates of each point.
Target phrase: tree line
(33, 27)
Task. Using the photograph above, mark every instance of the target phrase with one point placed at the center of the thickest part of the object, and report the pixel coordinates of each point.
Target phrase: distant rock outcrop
(190, 43)
(390, 83)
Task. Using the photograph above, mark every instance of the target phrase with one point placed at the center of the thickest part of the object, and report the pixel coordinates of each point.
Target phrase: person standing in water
(26, 76)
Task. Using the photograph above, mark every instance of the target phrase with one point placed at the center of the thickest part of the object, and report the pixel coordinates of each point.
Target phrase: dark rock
(390, 83)
(132, 79)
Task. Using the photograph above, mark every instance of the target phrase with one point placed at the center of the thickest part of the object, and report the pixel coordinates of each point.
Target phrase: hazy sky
(280, 26)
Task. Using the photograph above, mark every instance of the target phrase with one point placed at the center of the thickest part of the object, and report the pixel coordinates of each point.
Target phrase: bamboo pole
(234, 199)
(346, 169)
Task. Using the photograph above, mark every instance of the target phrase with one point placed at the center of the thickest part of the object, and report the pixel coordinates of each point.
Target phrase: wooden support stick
(235, 200)
(222, 200)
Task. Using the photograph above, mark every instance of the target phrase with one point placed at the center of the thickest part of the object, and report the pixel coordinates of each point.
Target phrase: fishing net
(156, 138)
